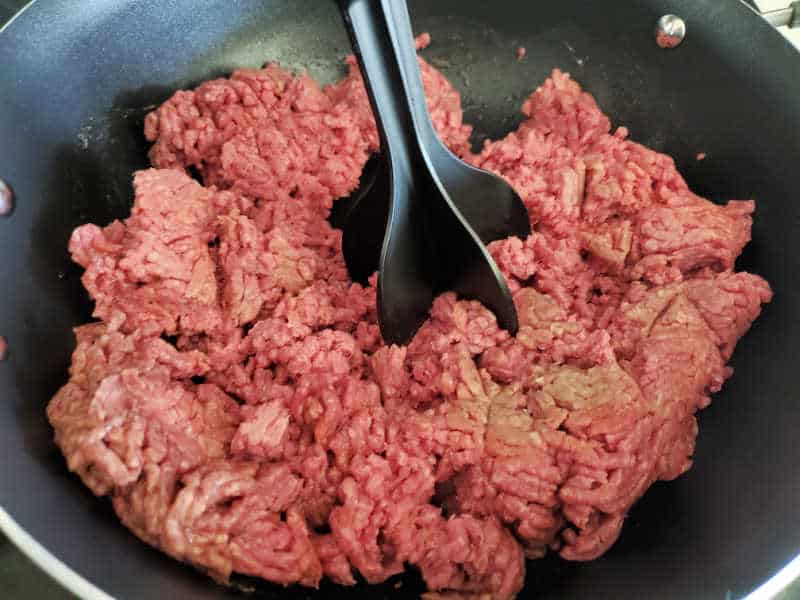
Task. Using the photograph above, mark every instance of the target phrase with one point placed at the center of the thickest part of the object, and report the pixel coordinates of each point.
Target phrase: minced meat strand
(237, 404)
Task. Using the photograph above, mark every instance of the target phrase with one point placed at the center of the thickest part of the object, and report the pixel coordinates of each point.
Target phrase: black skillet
(77, 78)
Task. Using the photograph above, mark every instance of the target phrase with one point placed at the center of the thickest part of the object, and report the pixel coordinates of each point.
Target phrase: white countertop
(792, 34)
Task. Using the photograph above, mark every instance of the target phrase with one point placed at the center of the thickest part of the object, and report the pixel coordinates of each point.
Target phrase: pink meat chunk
(475, 556)
(129, 402)
(274, 136)
(154, 272)
(729, 303)
(237, 403)
(689, 235)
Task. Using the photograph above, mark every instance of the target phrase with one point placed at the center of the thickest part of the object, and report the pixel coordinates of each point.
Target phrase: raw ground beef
(237, 404)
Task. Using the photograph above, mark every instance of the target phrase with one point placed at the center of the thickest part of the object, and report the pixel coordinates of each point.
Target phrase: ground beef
(237, 404)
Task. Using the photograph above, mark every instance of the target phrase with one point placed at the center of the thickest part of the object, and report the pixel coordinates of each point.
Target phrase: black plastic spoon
(424, 216)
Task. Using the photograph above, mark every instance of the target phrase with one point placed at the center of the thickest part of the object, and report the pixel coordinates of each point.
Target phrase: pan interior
(81, 76)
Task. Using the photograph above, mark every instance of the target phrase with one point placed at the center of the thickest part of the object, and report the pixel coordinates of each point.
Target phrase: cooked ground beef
(237, 403)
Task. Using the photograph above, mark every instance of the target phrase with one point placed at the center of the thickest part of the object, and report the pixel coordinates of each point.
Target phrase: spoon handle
(388, 60)
(402, 37)
(409, 262)
(428, 246)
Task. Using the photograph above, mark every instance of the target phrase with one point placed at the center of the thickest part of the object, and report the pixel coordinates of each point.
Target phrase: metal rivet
(6, 199)
(3, 348)
(670, 31)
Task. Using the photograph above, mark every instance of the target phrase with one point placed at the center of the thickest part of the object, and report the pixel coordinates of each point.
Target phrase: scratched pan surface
(77, 78)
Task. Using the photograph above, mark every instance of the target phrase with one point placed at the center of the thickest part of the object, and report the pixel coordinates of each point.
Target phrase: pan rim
(48, 562)
(778, 582)
(16, 15)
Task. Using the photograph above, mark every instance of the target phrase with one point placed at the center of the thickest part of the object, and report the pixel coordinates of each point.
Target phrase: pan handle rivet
(6, 199)
(670, 31)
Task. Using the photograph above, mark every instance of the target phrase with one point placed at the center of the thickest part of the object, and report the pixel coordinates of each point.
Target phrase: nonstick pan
(77, 79)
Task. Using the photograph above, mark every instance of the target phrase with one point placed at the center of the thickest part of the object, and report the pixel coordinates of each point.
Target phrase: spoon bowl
(423, 216)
